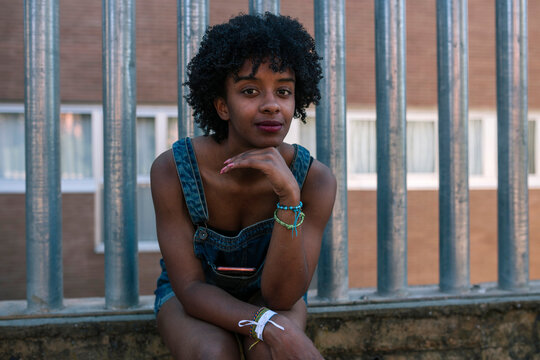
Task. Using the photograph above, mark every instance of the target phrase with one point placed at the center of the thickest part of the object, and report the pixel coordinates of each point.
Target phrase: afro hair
(280, 40)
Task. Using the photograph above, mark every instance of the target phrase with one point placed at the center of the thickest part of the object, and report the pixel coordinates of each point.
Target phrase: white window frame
(67, 186)
(161, 114)
(421, 181)
(534, 179)
(486, 180)
(415, 181)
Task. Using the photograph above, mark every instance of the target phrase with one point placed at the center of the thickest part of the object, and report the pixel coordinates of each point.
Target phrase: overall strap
(190, 178)
(300, 164)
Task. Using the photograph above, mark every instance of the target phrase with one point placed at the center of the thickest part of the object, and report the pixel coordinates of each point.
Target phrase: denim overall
(246, 249)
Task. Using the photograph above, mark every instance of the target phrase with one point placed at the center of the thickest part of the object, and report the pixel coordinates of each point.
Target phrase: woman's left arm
(292, 255)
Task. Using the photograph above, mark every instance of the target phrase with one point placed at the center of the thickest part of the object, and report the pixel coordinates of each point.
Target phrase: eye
(284, 92)
(250, 91)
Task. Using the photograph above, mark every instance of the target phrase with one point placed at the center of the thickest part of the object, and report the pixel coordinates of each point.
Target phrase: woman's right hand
(291, 343)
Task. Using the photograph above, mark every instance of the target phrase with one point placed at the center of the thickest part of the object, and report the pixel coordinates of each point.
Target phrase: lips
(269, 125)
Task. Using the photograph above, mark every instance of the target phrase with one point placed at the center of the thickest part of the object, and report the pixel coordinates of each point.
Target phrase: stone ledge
(486, 328)
(482, 327)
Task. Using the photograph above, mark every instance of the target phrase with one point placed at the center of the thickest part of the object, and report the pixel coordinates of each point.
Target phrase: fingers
(226, 168)
(270, 162)
(262, 159)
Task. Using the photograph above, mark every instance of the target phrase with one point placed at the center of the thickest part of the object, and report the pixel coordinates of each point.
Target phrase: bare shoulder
(164, 180)
(319, 191)
(320, 180)
(163, 167)
(173, 224)
(172, 217)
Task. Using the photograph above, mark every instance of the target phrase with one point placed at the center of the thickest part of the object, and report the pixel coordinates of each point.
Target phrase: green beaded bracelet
(290, 226)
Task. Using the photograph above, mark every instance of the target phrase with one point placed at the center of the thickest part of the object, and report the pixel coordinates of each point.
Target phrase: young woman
(240, 214)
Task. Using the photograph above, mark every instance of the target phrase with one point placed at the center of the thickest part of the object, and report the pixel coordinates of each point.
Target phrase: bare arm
(175, 235)
(291, 258)
(201, 300)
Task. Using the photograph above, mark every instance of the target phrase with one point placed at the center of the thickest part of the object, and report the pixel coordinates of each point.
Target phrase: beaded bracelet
(290, 226)
(256, 319)
(293, 208)
(298, 216)
(257, 325)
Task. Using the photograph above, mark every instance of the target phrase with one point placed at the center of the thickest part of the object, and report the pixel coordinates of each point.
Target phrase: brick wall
(423, 237)
(80, 50)
(80, 57)
(84, 269)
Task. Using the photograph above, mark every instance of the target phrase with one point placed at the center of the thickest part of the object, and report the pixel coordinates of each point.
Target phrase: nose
(270, 105)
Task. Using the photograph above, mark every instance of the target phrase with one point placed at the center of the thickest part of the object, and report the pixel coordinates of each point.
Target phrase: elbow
(189, 298)
(279, 304)
(280, 298)
(281, 293)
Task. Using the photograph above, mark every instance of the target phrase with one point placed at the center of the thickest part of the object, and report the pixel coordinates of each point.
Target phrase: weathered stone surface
(477, 329)
(491, 330)
(88, 339)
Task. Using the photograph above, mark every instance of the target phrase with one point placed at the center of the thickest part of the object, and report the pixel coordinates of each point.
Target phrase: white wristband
(260, 325)
(265, 318)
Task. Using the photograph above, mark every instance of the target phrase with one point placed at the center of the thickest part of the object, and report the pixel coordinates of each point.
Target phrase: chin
(270, 142)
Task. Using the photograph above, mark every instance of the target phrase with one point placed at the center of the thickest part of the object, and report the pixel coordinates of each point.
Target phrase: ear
(222, 109)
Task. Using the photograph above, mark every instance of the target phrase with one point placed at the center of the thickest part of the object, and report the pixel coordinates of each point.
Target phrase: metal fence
(43, 211)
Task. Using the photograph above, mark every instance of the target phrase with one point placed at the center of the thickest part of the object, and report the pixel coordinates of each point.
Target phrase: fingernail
(226, 162)
(225, 168)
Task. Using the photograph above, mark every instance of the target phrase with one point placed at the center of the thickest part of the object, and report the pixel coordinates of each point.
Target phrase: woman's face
(258, 107)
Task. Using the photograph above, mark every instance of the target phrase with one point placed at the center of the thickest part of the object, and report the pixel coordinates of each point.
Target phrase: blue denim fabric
(246, 249)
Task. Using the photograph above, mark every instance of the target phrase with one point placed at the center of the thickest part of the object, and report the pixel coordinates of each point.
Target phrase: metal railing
(44, 286)
(119, 154)
(452, 54)
(44, 272)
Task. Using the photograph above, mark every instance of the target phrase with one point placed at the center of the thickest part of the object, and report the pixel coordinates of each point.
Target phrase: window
(362, 154)
(12, 146)
(422, 150)
(172, 130)
(146, 145)
(532, 147)
(76, 146)
(81, 141)
(422, 147)
(146, 152)
(81, 138)
(475, 147)
(156, 131)
(75, 156)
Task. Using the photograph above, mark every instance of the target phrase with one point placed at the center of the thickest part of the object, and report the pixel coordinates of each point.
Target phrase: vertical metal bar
(333, 273)
(452, 60)
(262, 6)
(120, 176)
(44, 283)
(391, 147)
(513, 207)
(192, 24)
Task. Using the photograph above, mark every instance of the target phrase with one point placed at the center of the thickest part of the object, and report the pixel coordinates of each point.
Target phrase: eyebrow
(251, 77)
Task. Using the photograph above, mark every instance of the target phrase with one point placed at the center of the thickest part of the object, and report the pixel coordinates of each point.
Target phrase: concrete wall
(473, 328)
(482, 329)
